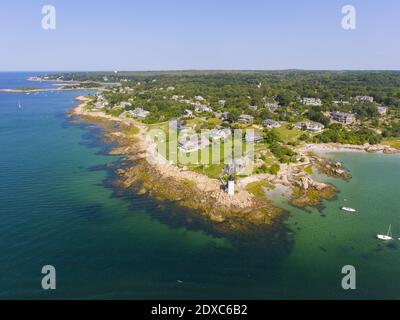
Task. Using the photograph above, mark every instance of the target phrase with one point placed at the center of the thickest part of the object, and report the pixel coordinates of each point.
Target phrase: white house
(192, 142)
(220, 134)
(100, 105)
(368, 99)
(139, 113)
(343, 117)
(245, 118)
(269, 123)
(253, 138)
(199, 98)
(201, 108)
(312, 102)
(310, 126)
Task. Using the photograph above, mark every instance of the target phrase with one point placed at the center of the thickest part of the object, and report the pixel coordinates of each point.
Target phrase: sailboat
(349, 209)
(19, 104)
(386, 237)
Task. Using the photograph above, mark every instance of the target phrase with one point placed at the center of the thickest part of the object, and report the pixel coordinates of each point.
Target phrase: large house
(192, 142)
(310, 126)
(201, 108)
(139, 113)
(343, 117)
(101, 104)
(269, 123)
(311, 102)
(220, 134)
(368, 99)
(245, 118)
(253, 138)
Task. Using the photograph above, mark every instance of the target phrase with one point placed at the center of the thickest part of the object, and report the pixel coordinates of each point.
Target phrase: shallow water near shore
(57, 207)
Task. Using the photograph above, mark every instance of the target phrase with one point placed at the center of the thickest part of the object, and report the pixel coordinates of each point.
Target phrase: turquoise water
(57, 207)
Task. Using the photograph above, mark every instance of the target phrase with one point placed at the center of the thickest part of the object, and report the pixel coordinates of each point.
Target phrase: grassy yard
(288, 135)
(213, 171)
(394, 143)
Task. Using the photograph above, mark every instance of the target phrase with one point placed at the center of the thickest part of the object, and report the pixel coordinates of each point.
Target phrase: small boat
(387, 236)
(19, 105)
(348, 209)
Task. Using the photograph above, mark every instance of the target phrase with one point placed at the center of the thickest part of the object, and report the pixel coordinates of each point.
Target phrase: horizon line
(205, 70)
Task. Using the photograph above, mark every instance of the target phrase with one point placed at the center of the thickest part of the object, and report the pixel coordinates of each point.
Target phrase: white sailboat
(387, 236)
(19, 104)
(349, 209)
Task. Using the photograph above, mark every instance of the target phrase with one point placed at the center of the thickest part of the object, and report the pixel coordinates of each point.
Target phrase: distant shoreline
(45, 90)
(57, 83)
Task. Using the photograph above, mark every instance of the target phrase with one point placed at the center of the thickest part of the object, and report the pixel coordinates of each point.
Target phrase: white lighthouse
(231, 186)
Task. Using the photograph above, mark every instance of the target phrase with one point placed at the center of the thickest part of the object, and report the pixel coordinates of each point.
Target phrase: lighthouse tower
(231, 186)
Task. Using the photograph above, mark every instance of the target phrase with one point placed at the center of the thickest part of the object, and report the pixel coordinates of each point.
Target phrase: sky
(203, 34)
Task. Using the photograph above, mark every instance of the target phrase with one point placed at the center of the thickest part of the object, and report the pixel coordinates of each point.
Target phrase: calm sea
(57, 208)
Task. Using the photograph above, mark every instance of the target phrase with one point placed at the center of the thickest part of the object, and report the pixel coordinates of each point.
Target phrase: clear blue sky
(202, 34)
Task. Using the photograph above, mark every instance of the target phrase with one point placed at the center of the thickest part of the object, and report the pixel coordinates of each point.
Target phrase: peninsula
(288, 119)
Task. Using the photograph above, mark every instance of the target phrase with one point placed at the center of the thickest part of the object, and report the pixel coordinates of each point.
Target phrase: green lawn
(394, 143)
(288, 135)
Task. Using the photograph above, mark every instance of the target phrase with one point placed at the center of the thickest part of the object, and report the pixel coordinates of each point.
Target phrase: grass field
(395, 143)
(288, 135)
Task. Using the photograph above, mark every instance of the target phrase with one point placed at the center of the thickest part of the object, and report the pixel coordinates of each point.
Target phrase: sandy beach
(336, 147)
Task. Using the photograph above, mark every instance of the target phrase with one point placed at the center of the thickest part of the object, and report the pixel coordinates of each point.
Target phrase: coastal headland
(164, 181)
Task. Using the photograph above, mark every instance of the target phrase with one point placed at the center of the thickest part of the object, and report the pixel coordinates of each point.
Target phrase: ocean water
(57, 207)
